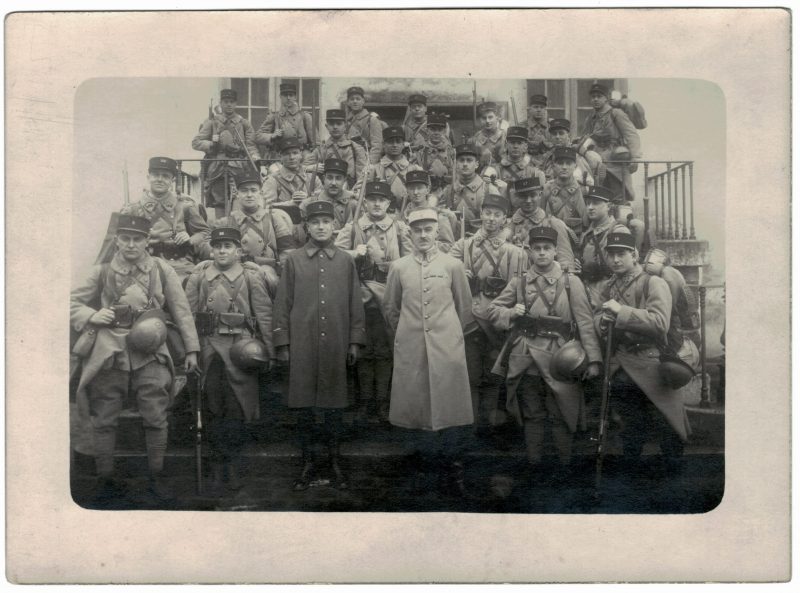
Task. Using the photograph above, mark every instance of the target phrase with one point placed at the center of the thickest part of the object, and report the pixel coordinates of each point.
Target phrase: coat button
(210, 299)
(427, 329)
(323, 334)
(322, 286)
(322, 269)
(322, 302)
(323, 318)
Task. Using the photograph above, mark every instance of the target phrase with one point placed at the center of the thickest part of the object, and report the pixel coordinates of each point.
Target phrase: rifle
(125, 186)
(601, 431)
(501, 363)
(474, 107)
(359, 205)
(514, 109)
(198, 432)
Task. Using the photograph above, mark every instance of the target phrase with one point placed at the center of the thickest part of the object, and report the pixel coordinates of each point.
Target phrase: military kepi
(564, 152)
(417, 177)
(355, 90)
(335, 165)
(467, 149)
(287, 87)
(599, 88)
(434, 119)
(225, 233)
(162, 163)
(418, 99)
(393, 132)
(248, 176)
(228, 94)
(487, 106)
(335, 115)
(496, 201)
(517, 133)
(423, 215)
(600, 193)
(542, 233)
(527, 184)
(133, 224)
(319, 208)
(621, 240)
(290, 143)
(538, 100)
(378, 188)
(559, 124)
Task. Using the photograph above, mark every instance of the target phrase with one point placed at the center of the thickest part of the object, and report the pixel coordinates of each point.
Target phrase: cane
(198, 432)
(604, 397)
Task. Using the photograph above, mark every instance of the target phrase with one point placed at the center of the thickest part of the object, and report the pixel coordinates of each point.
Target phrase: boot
(158, 487)
(340, 479)
(306, 474)
(108, 489)
(457, 485)
(217, 487)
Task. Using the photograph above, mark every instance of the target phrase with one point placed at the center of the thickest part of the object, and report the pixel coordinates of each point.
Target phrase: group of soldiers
(462, 283)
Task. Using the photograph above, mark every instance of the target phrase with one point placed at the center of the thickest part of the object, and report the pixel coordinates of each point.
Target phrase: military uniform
(611, 128)
(111, 367)
(292, 121)
(365, 128)
(556, 311)
(566, 202)
(233, 305)
(539, 141)
(416, 132)
(520, 225)
(491, 143)
(281, 186)
(236, 141)
(639, 332)
(490, 262)
(168, 216)
(509, 172)
(387, 240)
(343, 149)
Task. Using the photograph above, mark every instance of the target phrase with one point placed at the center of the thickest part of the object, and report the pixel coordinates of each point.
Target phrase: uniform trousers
(484, 386)
(107, 392)
(539, 408)
(226, 426)
(375, 359)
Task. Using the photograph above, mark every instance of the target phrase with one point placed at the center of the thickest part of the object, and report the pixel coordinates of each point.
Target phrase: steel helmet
(149, 332)
(569, 362)
(248, 354)
(620, 153)
(673, 371)
(654, 261)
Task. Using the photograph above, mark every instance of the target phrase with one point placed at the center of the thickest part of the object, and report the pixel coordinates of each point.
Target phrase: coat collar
(621, 282)
(506, 162)
(537, 217)
(609, 223)
(149, 201)
(400, 163)
(240, 215)
(231, 273)
(312, 250)
(342, 143)
(549, 277)
(287, 174)
(286, 111)
(570, 187)
(496, 240)
(363, 114)
(235, 118)
(483, 137)
(121, 266)
(343, 198)
(473, 185)
(427, 257)
(384, 224)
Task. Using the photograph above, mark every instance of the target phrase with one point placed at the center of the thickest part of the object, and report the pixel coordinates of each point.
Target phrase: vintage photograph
(393, 294)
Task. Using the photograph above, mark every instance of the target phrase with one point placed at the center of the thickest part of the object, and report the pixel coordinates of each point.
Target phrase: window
(556, 92)
(584, 108)
(253, 103)
(308, 98)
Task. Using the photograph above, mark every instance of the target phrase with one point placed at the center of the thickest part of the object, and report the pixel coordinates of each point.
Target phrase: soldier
(490, 261)
(427, 300)
(119, 310)
(333, 191)
(374, 241)
(437, 156)
(318, 325)
(466, 195)
(233, 314)
(539, 141)
(530, 214)
(516, 162)
(289, 122)
(415, 128)
(636, 308)
(178, 231)
(362, 126)
(589, 168)
(227, 139)
(563, 197)
(613, 132)
(266, 233)
(491, 138)
(546, 309)
(393, 166)
(418, 185)
(290, 184)
(590, 260)
(338, 146)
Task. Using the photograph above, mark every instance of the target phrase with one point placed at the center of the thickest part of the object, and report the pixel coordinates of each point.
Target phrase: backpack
(633, 109)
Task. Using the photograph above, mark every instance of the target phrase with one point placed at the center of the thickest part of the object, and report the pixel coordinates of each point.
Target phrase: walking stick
(604, 396)
(198, 432)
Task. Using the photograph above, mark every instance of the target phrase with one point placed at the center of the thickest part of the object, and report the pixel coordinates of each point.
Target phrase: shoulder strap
(568, 290)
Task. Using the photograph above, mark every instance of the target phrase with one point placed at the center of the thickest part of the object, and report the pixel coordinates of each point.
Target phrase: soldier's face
(563, 168)
(225, 253)
(320, 228)
(620, 260)
(537, 112)
(597, 100)
(423, 234)
(132, 246)
(333, 183)
(489, 120)
(418, 192)
(542, 254)
(376, 206)
(436, 133)
(492, 219)
(288, 99)
(160, 181)
(291, 158)
(560, 137)
(418, 110)
(249, 195)
(228, 106)
(393, 146)
(335, 128)
(355, 102)
(596, 210)
(467, 165)
(529, 201)
(516, 148)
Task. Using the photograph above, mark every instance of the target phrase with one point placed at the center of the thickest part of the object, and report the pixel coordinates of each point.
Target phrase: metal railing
(179, 180)
(705, 399)
(672, 215)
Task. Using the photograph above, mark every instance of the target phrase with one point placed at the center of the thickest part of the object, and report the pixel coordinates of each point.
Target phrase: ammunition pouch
(209, 323)
(205, 323)
(369, 272)
(170, 251)
(491, 286)
(231, 323)
(593, 271)
(547, 326)
(124, 316)
(474, 285)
